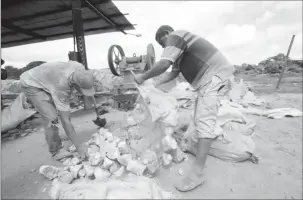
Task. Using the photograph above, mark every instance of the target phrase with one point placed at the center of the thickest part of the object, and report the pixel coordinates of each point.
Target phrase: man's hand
(139, 78)
(70, 132)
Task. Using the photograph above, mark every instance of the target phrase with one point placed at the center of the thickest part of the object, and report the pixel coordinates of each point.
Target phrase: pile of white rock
(110, 156)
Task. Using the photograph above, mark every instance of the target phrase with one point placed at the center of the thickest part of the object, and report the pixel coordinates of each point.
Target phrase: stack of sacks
(276, 113)
(234, 130)
(235, 136)
(17, 112)
(240, 97)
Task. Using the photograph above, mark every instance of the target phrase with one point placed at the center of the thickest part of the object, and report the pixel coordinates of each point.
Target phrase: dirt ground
(278, 142)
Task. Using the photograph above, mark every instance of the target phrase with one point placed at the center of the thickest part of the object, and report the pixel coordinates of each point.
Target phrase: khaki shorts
(41, 100)
(207, 105)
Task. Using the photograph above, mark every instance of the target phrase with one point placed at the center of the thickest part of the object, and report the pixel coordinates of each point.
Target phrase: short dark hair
(162, 30)
(2, 61)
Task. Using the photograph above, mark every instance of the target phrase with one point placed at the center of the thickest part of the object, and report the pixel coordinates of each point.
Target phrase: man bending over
(48, 87)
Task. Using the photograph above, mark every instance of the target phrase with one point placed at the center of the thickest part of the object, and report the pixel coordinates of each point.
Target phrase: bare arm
(168, 77)
(159, 68)
(68, 127)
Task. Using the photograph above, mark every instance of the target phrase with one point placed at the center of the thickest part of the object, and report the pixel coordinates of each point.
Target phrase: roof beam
(69, 23)
(24, 31)
(43, 13)
(92, 29)
(62, 34)
(7, 3)
(104, 16)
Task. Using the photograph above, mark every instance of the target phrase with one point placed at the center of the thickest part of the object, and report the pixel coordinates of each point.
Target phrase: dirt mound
(271, 65)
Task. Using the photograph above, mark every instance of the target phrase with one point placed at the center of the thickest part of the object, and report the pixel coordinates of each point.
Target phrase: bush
(15, 73)
(12, 72)
(31, 65)
(3, 74)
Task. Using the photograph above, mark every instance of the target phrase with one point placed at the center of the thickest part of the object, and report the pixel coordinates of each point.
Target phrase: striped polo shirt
(195, 57)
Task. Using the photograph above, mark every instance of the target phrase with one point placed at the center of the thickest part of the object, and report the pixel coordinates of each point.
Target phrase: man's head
(84, 81)
(162, 34)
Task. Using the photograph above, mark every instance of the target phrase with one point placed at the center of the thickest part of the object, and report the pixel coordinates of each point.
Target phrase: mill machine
(126, 94)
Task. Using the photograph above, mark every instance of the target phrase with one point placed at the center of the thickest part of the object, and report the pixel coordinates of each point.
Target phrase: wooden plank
(286, 64)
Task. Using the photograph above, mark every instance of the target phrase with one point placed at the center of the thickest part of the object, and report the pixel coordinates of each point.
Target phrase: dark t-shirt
(190, 55)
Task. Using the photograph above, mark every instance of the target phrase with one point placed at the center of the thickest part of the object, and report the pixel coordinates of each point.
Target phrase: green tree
(15, 73)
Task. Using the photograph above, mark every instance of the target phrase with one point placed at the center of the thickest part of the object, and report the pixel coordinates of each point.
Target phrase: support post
(286, 62)
(79, 35)
(78, 30)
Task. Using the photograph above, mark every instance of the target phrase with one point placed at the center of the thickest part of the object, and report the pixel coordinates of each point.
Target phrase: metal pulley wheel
(150, 57)
(115, 55)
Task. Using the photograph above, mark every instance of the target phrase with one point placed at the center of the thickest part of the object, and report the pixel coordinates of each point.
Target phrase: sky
(245, 31)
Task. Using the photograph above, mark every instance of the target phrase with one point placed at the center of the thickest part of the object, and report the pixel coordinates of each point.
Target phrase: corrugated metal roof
(30, 21)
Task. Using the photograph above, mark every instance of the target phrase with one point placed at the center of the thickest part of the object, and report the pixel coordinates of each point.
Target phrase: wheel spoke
(118, 69)
(115, 51)
(116, 58)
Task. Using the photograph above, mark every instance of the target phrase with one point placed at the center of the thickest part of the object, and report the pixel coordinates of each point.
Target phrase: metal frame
(42, 14)
(78, 31)
(21, 30)
(56, 35)
(63, 24)
(100, 13)
(28, 33)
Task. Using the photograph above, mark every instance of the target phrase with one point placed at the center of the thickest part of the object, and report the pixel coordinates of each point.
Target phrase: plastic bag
(161, 106)
(233, 146)
(238, 91)
(16, 113)
(279, 113)
(160, 118)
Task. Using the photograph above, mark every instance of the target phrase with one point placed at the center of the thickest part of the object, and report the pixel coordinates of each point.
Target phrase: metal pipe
(130, 60)
(79, 34)
(137, 35)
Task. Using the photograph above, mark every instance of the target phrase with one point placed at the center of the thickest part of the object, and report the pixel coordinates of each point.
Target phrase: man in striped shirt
(209, 73)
